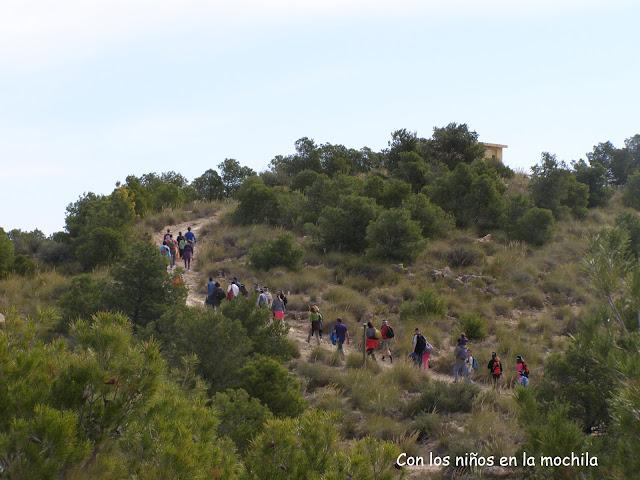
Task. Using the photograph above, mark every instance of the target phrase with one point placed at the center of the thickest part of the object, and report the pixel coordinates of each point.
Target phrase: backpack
(497, 369)
(428, 347)
(230, 295)
(333, 337)
(378, 334)
(474, 363)
(421, 343)
(390, 333)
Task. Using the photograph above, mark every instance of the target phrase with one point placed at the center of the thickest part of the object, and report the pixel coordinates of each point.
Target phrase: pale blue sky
(91, 91)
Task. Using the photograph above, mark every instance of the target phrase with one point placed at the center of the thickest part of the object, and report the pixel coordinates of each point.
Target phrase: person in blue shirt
(342, 335)
(211, 286)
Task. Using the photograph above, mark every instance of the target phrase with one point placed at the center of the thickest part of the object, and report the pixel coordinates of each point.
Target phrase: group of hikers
(465, 364)
(183, 247)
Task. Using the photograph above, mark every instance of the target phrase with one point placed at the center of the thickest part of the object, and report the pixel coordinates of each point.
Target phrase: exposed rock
(444, 273)
(485, 239)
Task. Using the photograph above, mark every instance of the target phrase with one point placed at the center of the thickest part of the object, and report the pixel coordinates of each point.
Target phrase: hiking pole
(364, 344)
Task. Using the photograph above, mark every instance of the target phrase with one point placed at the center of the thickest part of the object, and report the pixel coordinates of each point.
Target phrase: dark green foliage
(257, 203)
(241, 417)
(6, 254)
(85, 296)
(474, 194)
(25, 266)
(345, 227)
(393, 235)
(394, 193)
(535, 226)
(281, 252)
(473, 325)
(402, 142)
(209, 186)
(619, 163)
(452, 145)
(630, 223)
(433, 220)
(220, 343)
(36, 246)
(142, 289)
(267, 380)
(102, 245)
(443, 398)
(554, 187)
(595, 177)
(304, 179)
(426, 303)
(413, 169)
(464, 256)
(631, 194)
(233, 175)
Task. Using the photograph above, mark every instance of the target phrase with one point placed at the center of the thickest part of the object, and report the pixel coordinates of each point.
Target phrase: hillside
(112, 365)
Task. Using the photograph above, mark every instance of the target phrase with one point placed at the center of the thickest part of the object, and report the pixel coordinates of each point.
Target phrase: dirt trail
(195, 286)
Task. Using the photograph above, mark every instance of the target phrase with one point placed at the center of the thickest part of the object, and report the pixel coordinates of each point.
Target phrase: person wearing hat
(315, 318)
(522, 370)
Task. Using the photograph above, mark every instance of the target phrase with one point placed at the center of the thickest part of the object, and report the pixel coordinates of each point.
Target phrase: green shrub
(281, 252)
(345, 227)
(428, 425)
(535, 226)
(6, 253)
(393, 235)
(84, 297)
(631, 193)
(530, 299)
(463, 256)
(241, 417)
(268, 381)
(473, 325)
(426, 303)
(24, 265)
(444, 398)
(433, 220)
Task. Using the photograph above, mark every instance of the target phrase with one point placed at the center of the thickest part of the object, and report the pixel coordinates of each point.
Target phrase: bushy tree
(142, 289)
(265, 379)
(345, 227)
(535, 226)
(395, 236)
(630, 223)
(595, 177)
(474, 194)
(394, 193)
(452, 145)
(241, 417)
(433, 220)
(281, 252)
(554, 187)
(631, 194)
(257, 203)
(413, 169)
(209, 186)
(6, 253)
(618, 162)
(85, 295)
(402, 141)
(233, 175)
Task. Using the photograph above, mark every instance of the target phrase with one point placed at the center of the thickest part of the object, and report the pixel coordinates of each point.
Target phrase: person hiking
(283, 297)
(278, 308)
(495, 368)
(263, 300)
(315, 318)
(387, 339)
(459, 359)
(191, 237)
(217, 296)
(372, 341)
(165, 251)
(243, 290)
(181, 243)
(463, 340)
(211, 286)
(173, 248)
(187, 254)
(167, 236)
(470, 366)
(421, 350)
(342, 334)
(522, 370)
(233, 290)
(269, 296)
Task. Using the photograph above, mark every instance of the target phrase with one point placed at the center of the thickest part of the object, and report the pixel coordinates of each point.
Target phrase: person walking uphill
(421, 350)
(191, 237)
(181, 243)
(187, 253)
(217, 296)
(387, 339)
(372, 340)
(522, 371)
(495, 368)
(278, 308)
(315, 318)
(459, 362)
(342, 335)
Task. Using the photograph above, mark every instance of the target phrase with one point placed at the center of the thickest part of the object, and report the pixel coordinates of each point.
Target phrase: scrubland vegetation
(106, 373)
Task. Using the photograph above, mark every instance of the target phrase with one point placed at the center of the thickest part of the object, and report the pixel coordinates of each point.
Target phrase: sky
(92, 91)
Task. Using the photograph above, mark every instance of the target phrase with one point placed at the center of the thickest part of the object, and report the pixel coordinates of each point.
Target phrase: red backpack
(497, 368)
